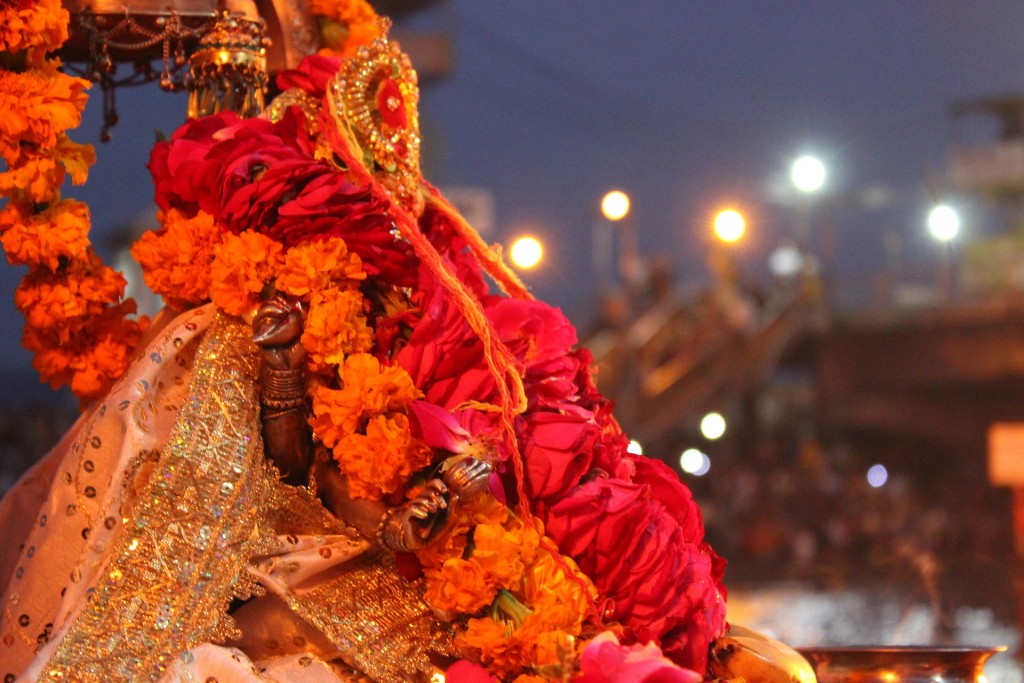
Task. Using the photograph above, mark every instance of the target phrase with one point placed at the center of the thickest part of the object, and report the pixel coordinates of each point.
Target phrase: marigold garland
(336, 327)
(345, 25)
(76, 323)
(242, 266)
(316, 266)
(34, 25)
(176, 259)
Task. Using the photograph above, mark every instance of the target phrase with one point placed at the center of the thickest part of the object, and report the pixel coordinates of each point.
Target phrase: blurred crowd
(795, 509)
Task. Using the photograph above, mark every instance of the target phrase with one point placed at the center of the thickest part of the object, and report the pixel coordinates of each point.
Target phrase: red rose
(670, 492)
(179, 167)
(439, 230)
(535, 332)
(445, 358)
(329, 204)
(211, 164)
(557, 448)
(312, 75)
(661, 583)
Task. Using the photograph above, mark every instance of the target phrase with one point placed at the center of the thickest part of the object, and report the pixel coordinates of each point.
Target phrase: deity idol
(336, 454)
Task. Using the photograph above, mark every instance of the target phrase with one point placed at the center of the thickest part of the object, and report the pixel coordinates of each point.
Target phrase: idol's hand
(466, 476)
(287, 438)
(419, 521)
(277, 328)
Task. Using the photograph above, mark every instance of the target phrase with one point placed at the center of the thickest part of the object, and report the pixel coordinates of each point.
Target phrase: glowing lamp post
(729, 226)
(615, 208)
(526, 253)
(807, 174)
(944, 226)
(615, 205)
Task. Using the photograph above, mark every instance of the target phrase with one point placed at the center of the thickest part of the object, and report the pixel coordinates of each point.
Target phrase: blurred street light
(712, 426)
(943, 222)
(807, 174)
(615, 205)
(729, 225)
(785, 261)
(693, 461)
(617, 228)
(526, 252)
(944, 226)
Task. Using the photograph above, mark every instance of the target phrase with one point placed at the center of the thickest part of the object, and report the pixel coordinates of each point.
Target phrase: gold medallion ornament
(373, 100)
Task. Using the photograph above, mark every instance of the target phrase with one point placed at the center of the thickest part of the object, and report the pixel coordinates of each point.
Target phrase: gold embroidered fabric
(200, 518)
(377, 618)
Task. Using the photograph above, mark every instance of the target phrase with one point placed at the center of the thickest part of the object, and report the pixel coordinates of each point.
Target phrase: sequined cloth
(158, 509)
(175, 569)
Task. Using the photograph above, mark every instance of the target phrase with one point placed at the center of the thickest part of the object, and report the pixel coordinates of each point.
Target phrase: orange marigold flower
(176, 259)
(459, 585)
(559, 602)
(504, 551)
(37, 174)
(45, 239)
(315, 266)
(38, 105)
(368, 389)
(500, 650)
(382, 460)
(336, 327)
(243, 265)
(345, 25)
(52, 301)
(32, 25)
(94, 357)
(453, 542)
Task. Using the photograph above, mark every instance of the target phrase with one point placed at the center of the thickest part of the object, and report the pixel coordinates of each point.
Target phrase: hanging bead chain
(129, 35)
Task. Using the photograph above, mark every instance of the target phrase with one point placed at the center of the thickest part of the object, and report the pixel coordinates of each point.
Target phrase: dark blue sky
(686, 105)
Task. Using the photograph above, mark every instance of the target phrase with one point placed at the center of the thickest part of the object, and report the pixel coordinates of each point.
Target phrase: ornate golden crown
(373, 101)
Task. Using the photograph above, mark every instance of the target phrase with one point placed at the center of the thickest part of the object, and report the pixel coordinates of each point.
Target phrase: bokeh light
(807, 174)
(526, 252)
(730, 225)
(615, 205)
(712, 426)
(943, 222)
(877, 475)
(635, 448)
(695, 462)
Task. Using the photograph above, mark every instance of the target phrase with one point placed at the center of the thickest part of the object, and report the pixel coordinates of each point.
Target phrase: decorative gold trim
(201, 518)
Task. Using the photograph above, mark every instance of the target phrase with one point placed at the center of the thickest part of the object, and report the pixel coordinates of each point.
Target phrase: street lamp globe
(943, 222)
(807, 174)
(729, 225)
(526, 252)
(615, 205)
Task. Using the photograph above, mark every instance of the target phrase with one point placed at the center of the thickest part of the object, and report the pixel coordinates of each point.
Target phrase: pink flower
(468, 672)
(445, 358)
(257, 175)
(210, 161)
(661, 577)
(604, 660)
